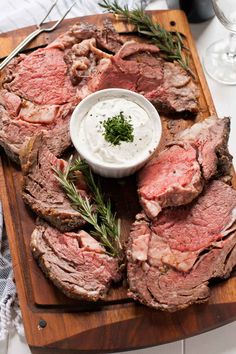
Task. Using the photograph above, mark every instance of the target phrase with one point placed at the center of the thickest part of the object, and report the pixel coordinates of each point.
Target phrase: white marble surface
(221, 340)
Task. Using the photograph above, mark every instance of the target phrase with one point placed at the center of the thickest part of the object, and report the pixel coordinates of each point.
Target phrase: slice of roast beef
(75, 262)
(106, 37)
(178, 93)
(172, 178)
(42, 78)
(125, 73)
(177, 175)
(37, 95)
(138, 67)
(210, 137)
(41, 190)
(31, 119)
(172, 259)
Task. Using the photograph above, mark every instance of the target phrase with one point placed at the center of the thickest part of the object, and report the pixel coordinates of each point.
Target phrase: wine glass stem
(231, 53)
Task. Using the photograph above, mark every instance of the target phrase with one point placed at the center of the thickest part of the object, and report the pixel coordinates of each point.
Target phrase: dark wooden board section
(118, 323)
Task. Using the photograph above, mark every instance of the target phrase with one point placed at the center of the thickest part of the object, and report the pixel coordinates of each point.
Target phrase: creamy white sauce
(91, 131)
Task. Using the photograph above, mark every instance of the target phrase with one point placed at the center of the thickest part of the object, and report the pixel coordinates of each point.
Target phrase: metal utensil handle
(35, 33)
(20, 47)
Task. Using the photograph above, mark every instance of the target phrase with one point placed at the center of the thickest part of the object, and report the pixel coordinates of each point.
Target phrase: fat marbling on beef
(75, 262)
(41, 190)
(172, 258)
(177, 175)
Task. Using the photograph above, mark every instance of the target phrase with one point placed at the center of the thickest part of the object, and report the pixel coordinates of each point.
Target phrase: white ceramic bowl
(106, 169)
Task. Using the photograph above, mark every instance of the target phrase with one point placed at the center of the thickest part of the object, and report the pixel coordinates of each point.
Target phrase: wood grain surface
(117, 323)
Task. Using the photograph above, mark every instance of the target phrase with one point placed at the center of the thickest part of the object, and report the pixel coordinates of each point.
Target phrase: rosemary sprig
(170, 43)
(100, 216)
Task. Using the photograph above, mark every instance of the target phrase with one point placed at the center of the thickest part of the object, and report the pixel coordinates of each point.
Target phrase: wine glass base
(219, 64)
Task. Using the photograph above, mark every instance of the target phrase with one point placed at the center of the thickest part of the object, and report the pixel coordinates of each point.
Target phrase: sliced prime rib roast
(139, 67)
(172, 258)
(177, 175)
(40, 90)
(41, 190)
(210, 137)
(38, 93)
(75, 262)
(173, 178)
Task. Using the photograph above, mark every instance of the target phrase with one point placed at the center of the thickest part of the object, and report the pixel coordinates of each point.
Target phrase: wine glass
(220, 57)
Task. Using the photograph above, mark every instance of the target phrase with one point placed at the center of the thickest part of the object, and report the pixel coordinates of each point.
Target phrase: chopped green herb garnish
(118, 129)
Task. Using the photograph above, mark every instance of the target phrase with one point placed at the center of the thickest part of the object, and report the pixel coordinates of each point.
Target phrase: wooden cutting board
(55, 324)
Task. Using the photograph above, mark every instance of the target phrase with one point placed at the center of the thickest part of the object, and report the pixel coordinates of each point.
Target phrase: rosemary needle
(170, 43)
(106, 226)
